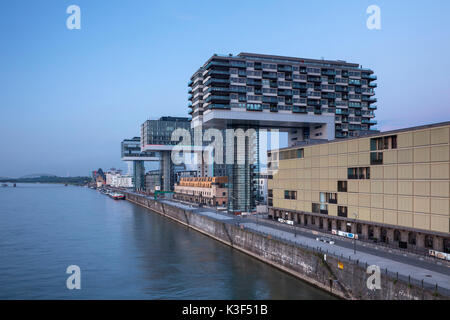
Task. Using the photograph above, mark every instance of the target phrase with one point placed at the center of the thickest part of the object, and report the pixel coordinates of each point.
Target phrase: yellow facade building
(392, 186)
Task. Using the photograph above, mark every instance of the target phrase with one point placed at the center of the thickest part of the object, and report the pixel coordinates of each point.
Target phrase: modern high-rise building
(309, 99)
(307, 89)
(391, 186)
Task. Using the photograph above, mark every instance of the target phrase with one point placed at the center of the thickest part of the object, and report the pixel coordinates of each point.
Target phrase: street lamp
(354, 235)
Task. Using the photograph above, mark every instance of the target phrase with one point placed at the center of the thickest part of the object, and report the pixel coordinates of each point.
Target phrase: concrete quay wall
(342, 278)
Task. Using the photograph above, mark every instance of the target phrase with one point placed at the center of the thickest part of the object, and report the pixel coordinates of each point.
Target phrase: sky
(69, 97)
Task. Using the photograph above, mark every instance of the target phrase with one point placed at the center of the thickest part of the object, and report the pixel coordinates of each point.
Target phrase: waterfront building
(156, 137)
(308, 98)
(205, 190)
(110, 174)
(391, 186)
(131, 152)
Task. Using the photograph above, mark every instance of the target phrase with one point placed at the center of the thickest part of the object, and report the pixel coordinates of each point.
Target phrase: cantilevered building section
(156, 136)
(311, 96)
(392, 186)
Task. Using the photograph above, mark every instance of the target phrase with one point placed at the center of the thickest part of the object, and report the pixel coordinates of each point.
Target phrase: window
(291, 154)
(315, 208)
(270, 193)
(342, 186)
(358, 173)
(383, 143)
(331, 198)
(376, 158)
(342, 211)
(290, 195)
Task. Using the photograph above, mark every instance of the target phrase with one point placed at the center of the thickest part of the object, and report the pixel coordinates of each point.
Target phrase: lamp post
(354, 235)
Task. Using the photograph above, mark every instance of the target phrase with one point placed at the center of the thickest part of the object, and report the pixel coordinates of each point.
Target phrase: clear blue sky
(68, 97)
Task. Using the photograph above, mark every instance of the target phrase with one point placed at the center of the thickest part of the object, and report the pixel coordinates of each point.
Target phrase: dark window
(315, 208)
(376, 158)
(383, 143)
(342, 186)
(331, 198)
(358, 173)
(290, 195)
(270, 193)
(342, 211)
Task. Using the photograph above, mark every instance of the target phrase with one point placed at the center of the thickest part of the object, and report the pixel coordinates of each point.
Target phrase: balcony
(217, 63)
(342, 111)
(217, 98)
(269, 75)
(328, 72)
(314, 79)
(284, 68)
(219, 106)
(296, 109)
(190, 82)
(284, 92)
(254, 82)
(238, 64)
(369, 121)
(328, 95)
(254, 107)
(372, 107)
(217, 80)
(373, 85)
(370, 100)
(220, 72)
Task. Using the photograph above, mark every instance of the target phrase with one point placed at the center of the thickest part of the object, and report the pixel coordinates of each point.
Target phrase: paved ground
(430, 271)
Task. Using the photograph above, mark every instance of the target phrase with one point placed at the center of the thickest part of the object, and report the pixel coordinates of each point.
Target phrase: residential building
(308, 98)
(205, 190)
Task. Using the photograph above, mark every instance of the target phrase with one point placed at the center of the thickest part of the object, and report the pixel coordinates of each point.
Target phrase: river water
(123, 251)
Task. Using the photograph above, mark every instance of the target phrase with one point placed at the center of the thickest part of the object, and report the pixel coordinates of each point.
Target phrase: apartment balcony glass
(217, 63)
(219, 106)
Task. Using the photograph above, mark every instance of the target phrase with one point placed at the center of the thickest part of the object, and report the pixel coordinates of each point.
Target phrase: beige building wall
(411, 188)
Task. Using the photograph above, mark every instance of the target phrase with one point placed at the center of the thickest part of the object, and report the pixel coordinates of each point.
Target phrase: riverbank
(340, 276)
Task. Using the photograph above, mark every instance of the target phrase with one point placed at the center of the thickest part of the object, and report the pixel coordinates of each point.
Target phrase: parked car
(325, 239)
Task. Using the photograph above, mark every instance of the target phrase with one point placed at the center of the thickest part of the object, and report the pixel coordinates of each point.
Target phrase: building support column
(302, 219)
(325, 224)
(404, 236)
(420, 240)
(333, 224)
(309, 220)
(389, 235)
(365, 231)
(438, 243)
(377, 233)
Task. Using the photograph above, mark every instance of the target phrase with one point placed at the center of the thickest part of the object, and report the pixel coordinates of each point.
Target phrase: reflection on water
(124, 252)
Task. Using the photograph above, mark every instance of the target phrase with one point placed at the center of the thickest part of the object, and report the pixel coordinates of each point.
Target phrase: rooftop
(375, 134)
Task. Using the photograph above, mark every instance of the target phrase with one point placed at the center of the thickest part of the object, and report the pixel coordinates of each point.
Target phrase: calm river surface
(124, 252)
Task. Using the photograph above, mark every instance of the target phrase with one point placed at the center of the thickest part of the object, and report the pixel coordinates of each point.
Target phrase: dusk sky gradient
(68, 97)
